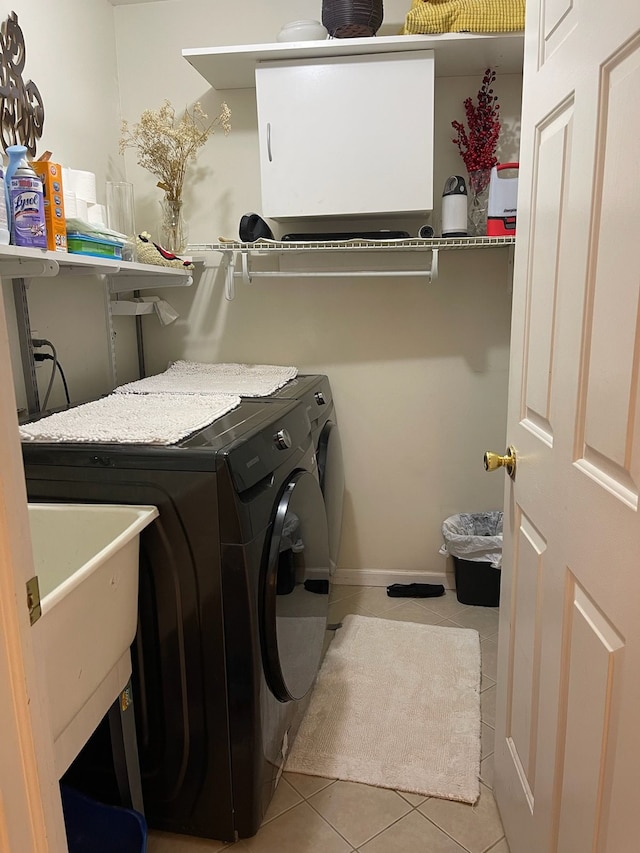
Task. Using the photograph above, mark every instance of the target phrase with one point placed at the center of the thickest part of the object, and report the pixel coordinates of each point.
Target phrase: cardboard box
(51, 176)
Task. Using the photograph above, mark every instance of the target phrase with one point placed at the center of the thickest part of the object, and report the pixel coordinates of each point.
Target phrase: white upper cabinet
(346, 135)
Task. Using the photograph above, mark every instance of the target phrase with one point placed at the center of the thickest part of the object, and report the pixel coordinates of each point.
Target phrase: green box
(83, 244)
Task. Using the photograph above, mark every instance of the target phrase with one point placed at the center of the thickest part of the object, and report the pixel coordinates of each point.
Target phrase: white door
(30, 811)
(568, 725)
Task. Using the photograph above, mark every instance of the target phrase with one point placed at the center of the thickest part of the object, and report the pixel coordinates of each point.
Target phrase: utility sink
(86, 560)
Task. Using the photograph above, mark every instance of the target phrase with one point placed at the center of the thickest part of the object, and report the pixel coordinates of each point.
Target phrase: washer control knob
(282, 439)
(320, 398)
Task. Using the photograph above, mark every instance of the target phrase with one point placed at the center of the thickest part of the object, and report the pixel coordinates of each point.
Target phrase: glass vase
(478, 202)
(173, 229)
(121, 215)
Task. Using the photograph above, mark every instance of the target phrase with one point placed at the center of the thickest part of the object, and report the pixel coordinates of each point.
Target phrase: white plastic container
(302, 31)
(86, 559)
(503, 200)
(454, 207)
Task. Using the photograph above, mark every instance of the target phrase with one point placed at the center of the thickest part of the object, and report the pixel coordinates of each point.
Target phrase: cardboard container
(51, 176)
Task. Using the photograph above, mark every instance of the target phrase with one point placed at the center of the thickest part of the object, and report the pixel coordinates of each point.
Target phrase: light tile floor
(313, 815)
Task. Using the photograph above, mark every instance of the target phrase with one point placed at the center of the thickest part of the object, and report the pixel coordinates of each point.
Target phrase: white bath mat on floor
(131, 419)
(396, 705)
(195, 377)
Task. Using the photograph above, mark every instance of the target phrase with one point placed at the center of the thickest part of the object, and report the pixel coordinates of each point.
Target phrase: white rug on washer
(195, 377)
(130, 419)
(396, 705)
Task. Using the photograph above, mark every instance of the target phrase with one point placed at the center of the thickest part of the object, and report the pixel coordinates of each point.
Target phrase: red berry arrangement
(477, 146)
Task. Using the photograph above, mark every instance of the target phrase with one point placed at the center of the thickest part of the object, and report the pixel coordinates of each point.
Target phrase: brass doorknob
(492, 461)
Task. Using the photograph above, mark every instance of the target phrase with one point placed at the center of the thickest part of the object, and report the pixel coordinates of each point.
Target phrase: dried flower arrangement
(477, 146)
(165, 145)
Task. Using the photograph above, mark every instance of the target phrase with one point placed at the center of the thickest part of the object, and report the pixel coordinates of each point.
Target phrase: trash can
(474, 540)
(93, 827)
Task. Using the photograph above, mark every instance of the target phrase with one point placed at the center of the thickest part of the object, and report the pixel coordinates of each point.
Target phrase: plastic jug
(503, 201)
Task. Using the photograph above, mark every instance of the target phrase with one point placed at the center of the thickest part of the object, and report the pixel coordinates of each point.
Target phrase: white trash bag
(474, 536)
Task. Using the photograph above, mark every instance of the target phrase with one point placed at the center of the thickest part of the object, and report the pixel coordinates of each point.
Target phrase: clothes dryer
(230, 634)
(314, 390)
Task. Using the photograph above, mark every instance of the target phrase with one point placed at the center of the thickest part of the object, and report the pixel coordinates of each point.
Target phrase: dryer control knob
(282, 439)
(320, 398)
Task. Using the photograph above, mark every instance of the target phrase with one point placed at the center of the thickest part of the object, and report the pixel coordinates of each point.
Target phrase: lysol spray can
(454, 207)
(26, 201)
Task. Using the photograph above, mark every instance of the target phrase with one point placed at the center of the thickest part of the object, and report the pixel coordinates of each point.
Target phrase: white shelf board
(456, 54)
(21, 262)
(145, 276)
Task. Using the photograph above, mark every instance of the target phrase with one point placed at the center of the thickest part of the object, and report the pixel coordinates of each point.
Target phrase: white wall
(71, 57)
(419, 372)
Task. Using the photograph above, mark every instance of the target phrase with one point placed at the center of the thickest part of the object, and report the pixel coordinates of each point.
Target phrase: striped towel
(129, 419)
(193, 377)
(458, 16)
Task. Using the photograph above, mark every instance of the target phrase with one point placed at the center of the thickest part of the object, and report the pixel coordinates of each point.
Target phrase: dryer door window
(295, 589)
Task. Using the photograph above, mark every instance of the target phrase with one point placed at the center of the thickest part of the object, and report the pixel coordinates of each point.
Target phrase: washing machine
(314, 390)
(232, 604)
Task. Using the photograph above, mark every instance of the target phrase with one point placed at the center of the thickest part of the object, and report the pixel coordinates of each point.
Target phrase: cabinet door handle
(269, 142)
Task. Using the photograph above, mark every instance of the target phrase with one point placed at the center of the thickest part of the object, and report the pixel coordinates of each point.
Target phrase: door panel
(523, 714)
(609, 370)
(585, 736)
(567, 739)
(549, 170)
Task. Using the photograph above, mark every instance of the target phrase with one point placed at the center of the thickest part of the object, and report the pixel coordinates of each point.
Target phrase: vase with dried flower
(165, 146)
(477, 146)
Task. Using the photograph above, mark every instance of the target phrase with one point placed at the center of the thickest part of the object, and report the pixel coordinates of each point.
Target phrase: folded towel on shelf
(458, 16)
(195, 377)
(129, 419)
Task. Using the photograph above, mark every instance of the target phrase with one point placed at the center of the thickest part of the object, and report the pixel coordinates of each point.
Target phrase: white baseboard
(385, 577)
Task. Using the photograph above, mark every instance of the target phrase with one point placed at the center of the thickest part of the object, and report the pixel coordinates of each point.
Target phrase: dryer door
(295, 589)
(331, 473)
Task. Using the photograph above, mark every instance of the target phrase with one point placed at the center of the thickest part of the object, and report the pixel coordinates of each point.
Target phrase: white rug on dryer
(396, 705)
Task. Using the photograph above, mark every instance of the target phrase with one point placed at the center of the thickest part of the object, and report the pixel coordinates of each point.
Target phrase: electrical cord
(44, 356)
(43, 342)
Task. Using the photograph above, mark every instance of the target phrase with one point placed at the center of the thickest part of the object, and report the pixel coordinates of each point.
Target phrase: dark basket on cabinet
(352, 18)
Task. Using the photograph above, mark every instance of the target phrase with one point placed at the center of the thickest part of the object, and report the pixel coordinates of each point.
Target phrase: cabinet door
(346, 135)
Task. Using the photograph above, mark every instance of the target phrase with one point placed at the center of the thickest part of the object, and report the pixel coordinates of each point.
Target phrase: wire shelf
(355, 245)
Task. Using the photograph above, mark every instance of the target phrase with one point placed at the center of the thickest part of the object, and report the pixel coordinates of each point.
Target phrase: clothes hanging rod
(247, 275)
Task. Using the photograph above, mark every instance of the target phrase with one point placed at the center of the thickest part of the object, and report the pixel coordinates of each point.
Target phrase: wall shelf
(238, 256)
(20, 262)
(456, 54)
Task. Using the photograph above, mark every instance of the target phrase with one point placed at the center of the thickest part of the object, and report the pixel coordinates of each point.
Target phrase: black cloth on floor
(415, 590)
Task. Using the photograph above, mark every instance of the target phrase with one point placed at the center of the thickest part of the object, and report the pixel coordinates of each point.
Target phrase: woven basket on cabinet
(352, 18)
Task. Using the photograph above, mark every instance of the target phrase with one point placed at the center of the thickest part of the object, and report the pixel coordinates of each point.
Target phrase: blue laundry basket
(93, 827)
